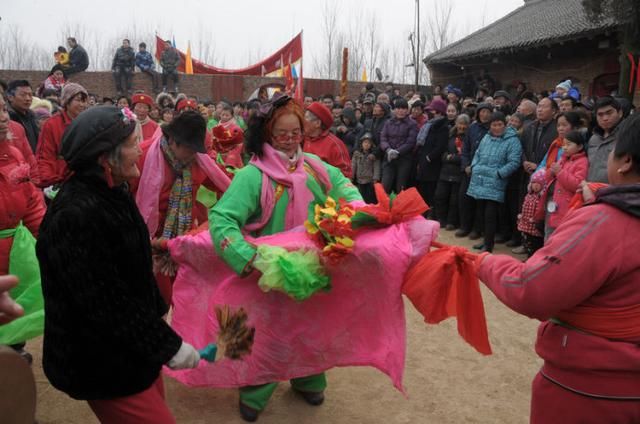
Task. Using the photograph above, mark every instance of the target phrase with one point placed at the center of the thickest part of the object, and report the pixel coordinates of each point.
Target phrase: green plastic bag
(28, 293)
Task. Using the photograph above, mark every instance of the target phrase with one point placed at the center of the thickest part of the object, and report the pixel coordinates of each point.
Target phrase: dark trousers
(120, 74)
(427, 190)
(488, 210)
(532, 243)
(447, 196)
(469, 218)
(72, 70)
(368, 192)
(395, 174)
(154, 78)
(170, 74)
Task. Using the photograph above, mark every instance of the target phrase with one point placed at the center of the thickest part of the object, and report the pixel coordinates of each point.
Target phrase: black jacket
(533, 147)
(433, 148)
(451, 171)
(78, 58)
(29, 123)
(104, 334)
(124, 58)
(475, 134)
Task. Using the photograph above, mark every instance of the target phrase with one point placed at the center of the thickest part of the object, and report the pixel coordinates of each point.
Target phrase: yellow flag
(188, 65)
(364, 75)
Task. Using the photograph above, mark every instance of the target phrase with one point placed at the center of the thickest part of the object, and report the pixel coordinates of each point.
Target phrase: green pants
(256, 397)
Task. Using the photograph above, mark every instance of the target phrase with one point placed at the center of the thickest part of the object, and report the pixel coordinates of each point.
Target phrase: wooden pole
(345, 67)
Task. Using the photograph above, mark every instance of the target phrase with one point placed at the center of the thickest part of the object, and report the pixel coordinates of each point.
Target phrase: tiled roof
(536, 23)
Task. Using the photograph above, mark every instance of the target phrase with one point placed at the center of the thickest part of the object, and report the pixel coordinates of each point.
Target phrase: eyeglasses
(283, 136)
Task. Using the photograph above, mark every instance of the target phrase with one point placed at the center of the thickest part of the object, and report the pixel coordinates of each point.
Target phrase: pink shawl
(153, 177)
(273, 167)
(359, 322)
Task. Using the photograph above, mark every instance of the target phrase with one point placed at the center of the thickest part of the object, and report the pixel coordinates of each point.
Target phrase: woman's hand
(9, 309)
(587, 194)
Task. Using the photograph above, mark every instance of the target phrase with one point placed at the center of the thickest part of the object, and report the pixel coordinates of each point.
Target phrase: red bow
(406, 205)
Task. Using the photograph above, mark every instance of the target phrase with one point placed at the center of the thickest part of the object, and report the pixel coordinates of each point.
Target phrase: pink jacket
(591, 260)
(574, 171)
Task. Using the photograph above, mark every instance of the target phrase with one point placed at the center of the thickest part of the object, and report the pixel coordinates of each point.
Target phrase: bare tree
(372, 42)
(327, 65)
(439, 24)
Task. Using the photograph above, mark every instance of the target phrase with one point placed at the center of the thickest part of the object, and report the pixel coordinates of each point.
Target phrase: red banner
(290, 53)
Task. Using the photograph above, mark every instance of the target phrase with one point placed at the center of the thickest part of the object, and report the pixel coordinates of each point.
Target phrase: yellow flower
(330, 202)
(343, 218)
(345, 241)
(330, 211)
(311, 229)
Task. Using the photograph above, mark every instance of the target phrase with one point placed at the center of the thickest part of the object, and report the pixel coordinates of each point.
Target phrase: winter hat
(95, 131)
(188, 129)
(451, 89)
(350, 114)
(184, 103)
(322, 113)
(41, 103)
(142, 98)
(501, 93)
(538, 177)
(69, 91)
(438, 105)
(41, 112)
(227, 136)
(483, 106)
(566, 85)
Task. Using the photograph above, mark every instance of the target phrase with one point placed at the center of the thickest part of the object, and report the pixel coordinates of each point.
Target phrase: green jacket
(240, 205)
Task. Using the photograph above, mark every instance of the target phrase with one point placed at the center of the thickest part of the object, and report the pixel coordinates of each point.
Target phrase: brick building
(540, 44)
(215, 87)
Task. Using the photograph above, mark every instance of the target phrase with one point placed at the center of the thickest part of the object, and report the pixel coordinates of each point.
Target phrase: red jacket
(148, 129)
(51, 167)
(199, 213)
(20, 141)
(19, 201)
(590, 260)
(574, 171)
(330, 149)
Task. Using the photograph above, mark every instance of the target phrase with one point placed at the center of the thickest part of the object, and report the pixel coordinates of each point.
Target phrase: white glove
(392, 154)
(187, 357)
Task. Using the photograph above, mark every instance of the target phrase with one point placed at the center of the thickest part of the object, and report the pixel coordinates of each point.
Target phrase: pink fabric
(150, 185)
(300, 197)
(359, 322)
(574, 171)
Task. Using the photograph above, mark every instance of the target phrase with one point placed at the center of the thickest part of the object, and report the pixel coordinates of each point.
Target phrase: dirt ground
(445, 379)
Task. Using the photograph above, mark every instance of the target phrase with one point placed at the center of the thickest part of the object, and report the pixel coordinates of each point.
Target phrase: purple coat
(399, 134)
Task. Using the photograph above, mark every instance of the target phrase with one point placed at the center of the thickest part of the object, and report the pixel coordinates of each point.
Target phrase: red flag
(288, 76)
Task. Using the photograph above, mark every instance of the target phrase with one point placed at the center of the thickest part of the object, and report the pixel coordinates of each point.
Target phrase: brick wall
(542, 68)
(215, 87)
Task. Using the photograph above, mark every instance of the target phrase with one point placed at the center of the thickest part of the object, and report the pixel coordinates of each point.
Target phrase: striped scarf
(178, 220)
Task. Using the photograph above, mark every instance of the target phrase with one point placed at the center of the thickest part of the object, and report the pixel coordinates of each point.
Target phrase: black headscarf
(95, 131)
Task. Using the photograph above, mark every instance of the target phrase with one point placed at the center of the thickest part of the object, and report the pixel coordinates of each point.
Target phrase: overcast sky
(242, 29)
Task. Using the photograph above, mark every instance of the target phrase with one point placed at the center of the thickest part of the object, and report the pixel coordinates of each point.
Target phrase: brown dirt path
(446, 381)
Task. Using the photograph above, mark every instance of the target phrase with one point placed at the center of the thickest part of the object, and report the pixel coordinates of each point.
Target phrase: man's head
(318, 118)
(186, 134)
(401, 108)
(71, 42)
(307, 101)
(20, 95)
(501, 98)
(142, 47)
(527, 108)
(384, 98)
(167, 44)
(546, 110)
(567, 103)
(126, 43)
(328, 101)
(608, 113)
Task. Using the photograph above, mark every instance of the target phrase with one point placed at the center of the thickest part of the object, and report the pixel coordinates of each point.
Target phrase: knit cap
(69, 91)
(565, 85)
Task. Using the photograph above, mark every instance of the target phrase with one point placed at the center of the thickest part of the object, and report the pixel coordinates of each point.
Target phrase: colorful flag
(364, 74)
(188, 63)
(299, 93)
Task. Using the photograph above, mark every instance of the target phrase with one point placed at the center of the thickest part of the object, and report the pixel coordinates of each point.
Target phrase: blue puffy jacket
(495, 160)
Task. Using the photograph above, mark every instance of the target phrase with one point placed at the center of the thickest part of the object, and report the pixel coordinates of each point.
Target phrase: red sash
(621, 323)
